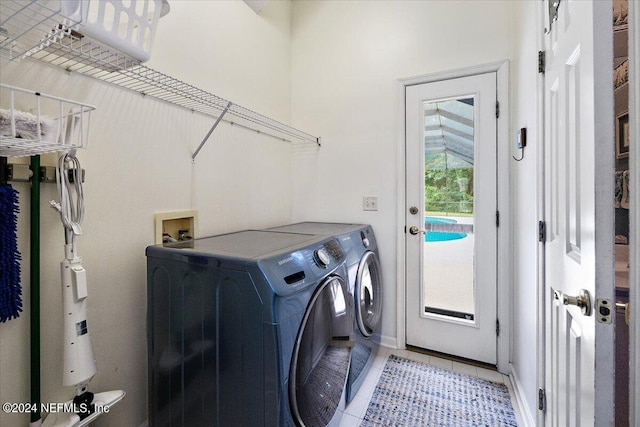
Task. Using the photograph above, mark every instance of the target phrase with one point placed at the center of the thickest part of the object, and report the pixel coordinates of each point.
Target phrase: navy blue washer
(242, 327)
(365, 284)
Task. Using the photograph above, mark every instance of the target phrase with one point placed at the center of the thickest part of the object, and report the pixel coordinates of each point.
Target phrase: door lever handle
(627, 312)
(582, 300)
(415, 230)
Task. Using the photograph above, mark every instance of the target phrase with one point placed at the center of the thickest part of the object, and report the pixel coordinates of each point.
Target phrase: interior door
(451, 230)
(578, 188)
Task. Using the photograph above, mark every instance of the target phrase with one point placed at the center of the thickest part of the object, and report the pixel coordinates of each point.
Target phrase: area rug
(416, 394)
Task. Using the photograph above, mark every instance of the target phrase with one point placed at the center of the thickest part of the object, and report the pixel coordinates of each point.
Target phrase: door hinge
(497, 327)
(542, 62)
(542, 400)
(497, 109)
(542, 231)
(497, 218)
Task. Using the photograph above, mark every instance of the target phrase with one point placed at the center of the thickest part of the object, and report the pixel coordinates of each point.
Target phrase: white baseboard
(526, 417)
(387, 341)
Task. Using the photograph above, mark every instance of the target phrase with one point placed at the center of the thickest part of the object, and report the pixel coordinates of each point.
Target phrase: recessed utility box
(180, 225)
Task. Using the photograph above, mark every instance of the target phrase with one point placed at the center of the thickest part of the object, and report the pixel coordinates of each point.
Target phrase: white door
(451, 230)
(578, 188)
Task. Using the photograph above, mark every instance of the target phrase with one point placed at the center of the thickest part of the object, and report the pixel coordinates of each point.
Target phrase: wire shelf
(35, 123)
(84, 57)
(26, 25)
(64, 47)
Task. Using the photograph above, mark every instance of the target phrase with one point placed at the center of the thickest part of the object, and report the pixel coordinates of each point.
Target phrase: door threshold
(452, 357)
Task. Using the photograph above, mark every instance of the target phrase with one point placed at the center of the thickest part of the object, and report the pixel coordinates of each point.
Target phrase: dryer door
(321, 355)
(368, 294)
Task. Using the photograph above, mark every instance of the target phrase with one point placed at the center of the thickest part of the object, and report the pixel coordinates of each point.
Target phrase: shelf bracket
(218, 120)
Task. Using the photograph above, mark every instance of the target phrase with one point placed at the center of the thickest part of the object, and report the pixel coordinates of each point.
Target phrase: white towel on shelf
(26, 125)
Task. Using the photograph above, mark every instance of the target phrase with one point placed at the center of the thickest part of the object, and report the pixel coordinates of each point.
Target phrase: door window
(448, 286)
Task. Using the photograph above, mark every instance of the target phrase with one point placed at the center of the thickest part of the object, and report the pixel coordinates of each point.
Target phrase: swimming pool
(441, 236)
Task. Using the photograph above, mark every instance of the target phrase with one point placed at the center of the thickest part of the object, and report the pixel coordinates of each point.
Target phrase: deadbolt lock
(413, 210)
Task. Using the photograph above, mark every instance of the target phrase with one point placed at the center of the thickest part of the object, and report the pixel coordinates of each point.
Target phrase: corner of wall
(523, 409)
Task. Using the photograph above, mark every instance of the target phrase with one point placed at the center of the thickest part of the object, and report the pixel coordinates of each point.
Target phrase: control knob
(321, 257)
(365, 240)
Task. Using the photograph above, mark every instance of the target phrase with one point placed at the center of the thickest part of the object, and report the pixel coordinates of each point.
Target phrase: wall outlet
(370, 203)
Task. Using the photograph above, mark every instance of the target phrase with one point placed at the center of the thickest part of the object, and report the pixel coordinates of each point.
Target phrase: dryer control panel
(290, 271)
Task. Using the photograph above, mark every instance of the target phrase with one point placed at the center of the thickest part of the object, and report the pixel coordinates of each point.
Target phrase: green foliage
(447, 190)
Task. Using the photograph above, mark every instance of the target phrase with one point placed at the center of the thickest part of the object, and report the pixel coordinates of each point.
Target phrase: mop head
(10, 290)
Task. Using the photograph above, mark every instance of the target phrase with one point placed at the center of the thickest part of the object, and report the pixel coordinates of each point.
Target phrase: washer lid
(323, 228)
(247, 244)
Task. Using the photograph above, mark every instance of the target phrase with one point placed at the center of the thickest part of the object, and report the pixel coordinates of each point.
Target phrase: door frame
(634, 213)
(504, 296)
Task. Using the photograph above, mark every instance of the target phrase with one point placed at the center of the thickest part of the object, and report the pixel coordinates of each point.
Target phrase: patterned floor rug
(416, 394)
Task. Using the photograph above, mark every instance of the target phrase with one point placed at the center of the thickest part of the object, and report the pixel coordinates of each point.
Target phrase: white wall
(138, 163)
(525, 210)
(346, 62)
(330, 66)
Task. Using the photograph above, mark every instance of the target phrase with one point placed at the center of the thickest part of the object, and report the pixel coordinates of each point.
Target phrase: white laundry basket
(128, 26)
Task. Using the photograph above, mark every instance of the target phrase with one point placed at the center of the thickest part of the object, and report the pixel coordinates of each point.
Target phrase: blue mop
(10, 290)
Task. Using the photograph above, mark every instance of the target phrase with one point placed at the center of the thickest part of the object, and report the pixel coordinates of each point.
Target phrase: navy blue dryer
(248, 329)
(365, 284)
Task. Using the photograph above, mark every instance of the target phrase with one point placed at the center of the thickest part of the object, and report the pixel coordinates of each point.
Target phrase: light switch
(370, 203)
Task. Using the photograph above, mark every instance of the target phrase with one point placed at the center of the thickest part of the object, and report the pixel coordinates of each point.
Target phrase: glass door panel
(449, 245)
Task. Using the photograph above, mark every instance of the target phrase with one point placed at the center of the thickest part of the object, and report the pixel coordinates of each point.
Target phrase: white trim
(401, 330)
(540, 292)
(448, 75)
(505, 245)
(389, 342)
(504, 203)
(521, 400)
(604, 233)
(634, 213)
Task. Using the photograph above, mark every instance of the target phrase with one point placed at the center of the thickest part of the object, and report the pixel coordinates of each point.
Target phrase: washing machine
(365, 285)
(248, 329)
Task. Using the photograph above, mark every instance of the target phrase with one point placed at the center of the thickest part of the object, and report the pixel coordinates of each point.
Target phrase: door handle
(627, 311)
(582, 300)
(415, 230)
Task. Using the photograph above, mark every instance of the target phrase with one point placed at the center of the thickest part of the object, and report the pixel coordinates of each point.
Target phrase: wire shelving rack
(36, 30)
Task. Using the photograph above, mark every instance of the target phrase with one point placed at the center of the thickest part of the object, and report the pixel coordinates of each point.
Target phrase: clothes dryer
(248, 329)
(365, 284)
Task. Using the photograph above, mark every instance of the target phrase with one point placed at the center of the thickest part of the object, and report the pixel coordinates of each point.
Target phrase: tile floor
(355, 411)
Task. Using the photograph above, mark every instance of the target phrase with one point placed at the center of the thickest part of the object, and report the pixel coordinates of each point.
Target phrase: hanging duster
(10, 289)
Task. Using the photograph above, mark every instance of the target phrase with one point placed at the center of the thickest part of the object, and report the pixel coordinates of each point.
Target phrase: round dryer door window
(321, 355)
(368, 292)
